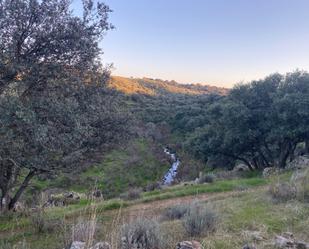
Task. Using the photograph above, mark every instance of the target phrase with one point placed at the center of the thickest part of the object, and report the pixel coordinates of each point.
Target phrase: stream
(170, 175)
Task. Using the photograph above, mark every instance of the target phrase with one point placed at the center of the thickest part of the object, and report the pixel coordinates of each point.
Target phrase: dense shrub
(84, 230)
(297, 188)
(142, 234)
(301, 181)
(199, 220)
(42, 224)
(153, 186)
(132, 194)
(227, 175)
(175, 212)
(281, 192)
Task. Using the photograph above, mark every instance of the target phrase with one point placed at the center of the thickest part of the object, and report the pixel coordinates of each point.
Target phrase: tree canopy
(55, 110)
(259, 123)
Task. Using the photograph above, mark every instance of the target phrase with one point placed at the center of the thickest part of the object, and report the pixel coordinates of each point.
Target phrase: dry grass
(239, 212)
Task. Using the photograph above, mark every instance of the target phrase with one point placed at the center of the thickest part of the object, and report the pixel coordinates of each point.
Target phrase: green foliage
(137, 165)
(259, 123)
(56, 113)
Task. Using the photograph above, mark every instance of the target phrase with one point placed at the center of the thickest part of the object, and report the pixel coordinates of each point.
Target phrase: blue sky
(217, 42)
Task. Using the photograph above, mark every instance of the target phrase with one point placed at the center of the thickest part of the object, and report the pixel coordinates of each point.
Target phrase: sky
(216, 42)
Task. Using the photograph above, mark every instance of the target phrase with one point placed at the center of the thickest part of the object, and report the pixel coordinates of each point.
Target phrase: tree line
(260, 123)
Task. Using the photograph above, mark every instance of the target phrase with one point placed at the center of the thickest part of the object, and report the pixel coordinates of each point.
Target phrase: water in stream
(170, 175)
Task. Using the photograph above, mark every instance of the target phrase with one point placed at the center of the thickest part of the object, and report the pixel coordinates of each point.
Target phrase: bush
(142, 234)
(176, 212)
(153, 186)
(281, 192)
(41, 224)
(199, 220)
(301, 181)
(132, 194)
(84, 230)
(209, 178)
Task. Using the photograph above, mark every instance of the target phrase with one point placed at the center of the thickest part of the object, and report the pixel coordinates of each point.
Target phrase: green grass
(133, 166)
(171, 192)
(218, 186)
(251, 210)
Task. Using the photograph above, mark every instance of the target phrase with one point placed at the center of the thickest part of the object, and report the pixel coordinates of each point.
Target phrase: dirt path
(154, 209)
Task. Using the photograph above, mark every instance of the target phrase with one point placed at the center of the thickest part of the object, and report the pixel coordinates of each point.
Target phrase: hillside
(245, 210)
(149, 86)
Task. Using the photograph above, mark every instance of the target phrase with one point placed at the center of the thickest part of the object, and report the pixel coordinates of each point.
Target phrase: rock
(241, 167)
(269, 171)
(62, 199)
(71, 195)
(282, 242)
(288, 235)
(97, 194)
(19, 207)
(189, 245)
(253, 235)
(249, 247)
(299, 162)
(101, 245)
(301, 245)
(78, 245)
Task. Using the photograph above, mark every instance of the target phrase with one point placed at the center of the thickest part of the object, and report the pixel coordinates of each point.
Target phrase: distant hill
(149, 86)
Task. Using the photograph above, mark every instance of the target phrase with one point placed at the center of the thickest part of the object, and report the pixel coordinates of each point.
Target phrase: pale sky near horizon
(216, 42)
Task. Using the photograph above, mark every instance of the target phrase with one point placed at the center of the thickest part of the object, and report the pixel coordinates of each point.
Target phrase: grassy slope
(133, 166)
(156, 86)
(239, 212)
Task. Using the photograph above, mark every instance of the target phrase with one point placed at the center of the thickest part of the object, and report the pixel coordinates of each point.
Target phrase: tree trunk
(247, 163)
(307, 146)
(285, 149)
(21, 189)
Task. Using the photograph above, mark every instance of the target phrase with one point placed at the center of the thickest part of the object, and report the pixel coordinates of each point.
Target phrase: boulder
(82, 245)
(247, 246)
(301, 245)
(189, 245)
(62, 199)
(97, 194)
(78, 245)
(299, 162)
(241, 167)
(253, 235)
(19, 207)
(269, 171)
(282, 242)
(101, 245)
(287, 240)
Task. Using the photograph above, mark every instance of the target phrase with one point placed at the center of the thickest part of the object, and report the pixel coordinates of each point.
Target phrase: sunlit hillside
(156, 86)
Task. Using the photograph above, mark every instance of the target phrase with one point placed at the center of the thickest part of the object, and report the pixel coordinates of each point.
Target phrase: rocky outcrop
(101, 245)
(241, 167)
(82, 245)
(78, 245)
(253, 235)
(189, 245)
(63, 199)
(287, 240)
(300, 162)
(248, 246)
(270, 171)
